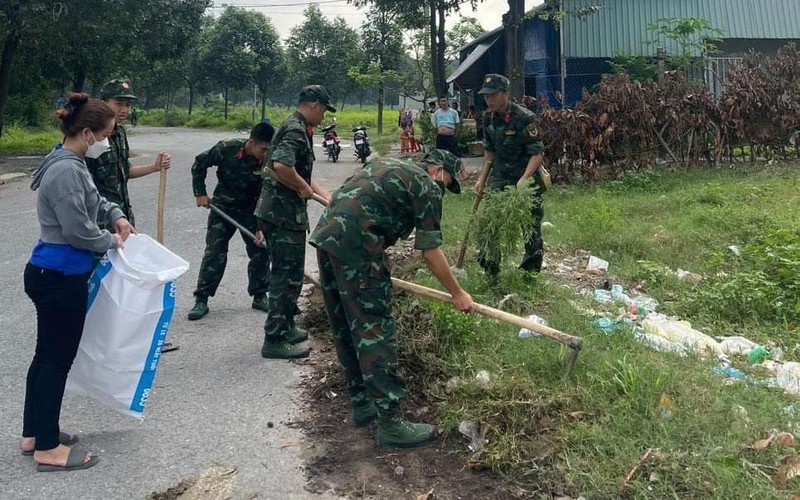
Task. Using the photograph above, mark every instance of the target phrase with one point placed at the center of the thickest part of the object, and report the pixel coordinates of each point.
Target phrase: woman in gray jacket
(56, 276)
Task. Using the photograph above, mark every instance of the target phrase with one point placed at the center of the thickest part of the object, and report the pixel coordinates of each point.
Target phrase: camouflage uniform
(283, 217)
(111, 172)
(514, 139)
(385, 201)
(236, 194)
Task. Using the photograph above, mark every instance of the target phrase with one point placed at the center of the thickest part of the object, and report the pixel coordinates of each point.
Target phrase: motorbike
(330, 142)
(361, 143)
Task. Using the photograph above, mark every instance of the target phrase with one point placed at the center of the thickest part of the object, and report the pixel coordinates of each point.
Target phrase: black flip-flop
(63, 438)
(75, 461)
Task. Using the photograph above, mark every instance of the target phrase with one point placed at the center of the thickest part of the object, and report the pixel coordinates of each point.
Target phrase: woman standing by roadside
(56, 276)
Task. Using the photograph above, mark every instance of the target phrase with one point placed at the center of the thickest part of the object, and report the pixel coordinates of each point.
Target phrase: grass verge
(24, 141)
(585, 435)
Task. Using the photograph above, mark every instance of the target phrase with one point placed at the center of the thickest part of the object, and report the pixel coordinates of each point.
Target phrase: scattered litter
(617, 294)
(476, 434)
(596, 264)
(525, 333)
(330, 394)
(399, 470)
(757, 355)
(609, 326)
(736, 345)
(547, 224)
(780, 438)
(680, 332)
(579, 415)
(659, 343)
(654, 477)
(729, 372)
(483, 378)
(648, 455)
(735, 250)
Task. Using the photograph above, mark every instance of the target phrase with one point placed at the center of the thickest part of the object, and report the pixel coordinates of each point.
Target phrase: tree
(417, 14)
(234, 45)
(465, 30)
(320, 51)
(694, 38)
(382, 40)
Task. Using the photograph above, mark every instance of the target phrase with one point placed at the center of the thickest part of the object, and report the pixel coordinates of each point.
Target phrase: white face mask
(96, 149)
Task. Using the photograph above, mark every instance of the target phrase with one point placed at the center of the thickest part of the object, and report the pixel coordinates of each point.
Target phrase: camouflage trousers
(287, 258)
(215, 257)
(534, 248)
(357, 304)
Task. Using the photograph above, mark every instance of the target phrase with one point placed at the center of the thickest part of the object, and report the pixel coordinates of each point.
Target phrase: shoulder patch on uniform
(532, 131)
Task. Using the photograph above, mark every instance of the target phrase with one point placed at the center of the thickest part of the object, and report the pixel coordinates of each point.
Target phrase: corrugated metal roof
(621, 25)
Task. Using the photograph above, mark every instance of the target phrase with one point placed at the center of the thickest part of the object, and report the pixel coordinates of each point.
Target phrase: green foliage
(463, 32)
(582, 436)
(504, 221)
(761, 285)
(694, 38)
(639, 68)
(22, 140)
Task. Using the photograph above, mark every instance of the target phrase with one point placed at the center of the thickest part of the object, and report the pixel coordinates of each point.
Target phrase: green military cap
(493, 83)
(317, 93)
(451, 164)
(117, 89)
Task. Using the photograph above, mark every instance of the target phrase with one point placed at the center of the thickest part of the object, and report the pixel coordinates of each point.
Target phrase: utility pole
(513, 21)
(563, 52)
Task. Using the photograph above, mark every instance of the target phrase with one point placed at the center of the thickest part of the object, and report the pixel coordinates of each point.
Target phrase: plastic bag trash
(476, 434)
(547, 224)
(596, 264)
(131, 300)
(659, 343)
(609, 326)
(757, 355)
(787, 377)
(735, 250)
(681, 332)
(729, 372)
(649, 304)
(618, 294)
(524, 333)
(736, 345)
(602, 296)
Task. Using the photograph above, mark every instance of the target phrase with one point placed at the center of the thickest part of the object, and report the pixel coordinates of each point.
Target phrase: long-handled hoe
(570, 341)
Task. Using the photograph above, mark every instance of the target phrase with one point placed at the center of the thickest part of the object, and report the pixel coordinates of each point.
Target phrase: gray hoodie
(69, 206)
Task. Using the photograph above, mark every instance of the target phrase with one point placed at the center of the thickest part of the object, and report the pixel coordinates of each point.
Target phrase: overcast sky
(286, 14)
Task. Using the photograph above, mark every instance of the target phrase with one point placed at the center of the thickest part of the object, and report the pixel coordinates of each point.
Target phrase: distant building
(620, 26)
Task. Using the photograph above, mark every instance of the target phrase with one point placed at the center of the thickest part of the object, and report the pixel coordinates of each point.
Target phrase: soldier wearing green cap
(283, 218)
(112, 169)
(380, 204)
(513, 155)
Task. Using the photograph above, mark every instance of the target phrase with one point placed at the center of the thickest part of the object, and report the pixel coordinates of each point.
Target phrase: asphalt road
(213, 398)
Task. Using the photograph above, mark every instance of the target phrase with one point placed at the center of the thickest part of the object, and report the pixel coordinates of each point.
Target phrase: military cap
(451, 164)
(117, 89)
(317, 93)
(493, 83)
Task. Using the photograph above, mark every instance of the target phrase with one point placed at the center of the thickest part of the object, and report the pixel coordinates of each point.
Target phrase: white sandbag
(131, 300)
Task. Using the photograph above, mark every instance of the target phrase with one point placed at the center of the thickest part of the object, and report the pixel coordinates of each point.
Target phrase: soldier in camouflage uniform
(238, 165)
(112, 169)
(385, 201)
(514, 155)
(283, 218)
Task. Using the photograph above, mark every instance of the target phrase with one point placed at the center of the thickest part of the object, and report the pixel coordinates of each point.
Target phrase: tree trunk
(437, 64)
(9, 48)
(513, 22)
(441, 48)
(191, 97)
(380, 106)
(263, 103)
(225, 113)
(79, 80)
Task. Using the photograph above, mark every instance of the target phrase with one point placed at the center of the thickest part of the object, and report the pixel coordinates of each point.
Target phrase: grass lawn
(585, 434)
(24, 141)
